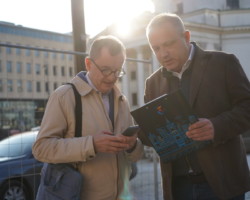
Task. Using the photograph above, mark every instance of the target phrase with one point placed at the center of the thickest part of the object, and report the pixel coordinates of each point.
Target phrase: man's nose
(164, 52)
(112, 76)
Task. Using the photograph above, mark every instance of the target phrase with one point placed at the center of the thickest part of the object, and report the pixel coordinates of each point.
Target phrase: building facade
(221, 25)
(27, 75)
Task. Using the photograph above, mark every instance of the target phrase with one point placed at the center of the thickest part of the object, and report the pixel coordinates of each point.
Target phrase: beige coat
(106, 176)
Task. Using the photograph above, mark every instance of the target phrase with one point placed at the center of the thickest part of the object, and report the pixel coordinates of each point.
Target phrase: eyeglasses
(108, 72)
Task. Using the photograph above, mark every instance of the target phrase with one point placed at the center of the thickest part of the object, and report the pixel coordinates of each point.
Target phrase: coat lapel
(163, 89)
(199, 65)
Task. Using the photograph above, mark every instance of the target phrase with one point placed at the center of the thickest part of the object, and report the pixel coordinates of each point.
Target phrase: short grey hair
(113, 44)
(163, 18)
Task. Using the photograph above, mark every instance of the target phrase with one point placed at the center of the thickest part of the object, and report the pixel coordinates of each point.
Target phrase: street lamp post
(79, 35)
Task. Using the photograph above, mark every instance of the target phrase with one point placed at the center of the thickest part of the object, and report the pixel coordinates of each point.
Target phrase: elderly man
(103, 155)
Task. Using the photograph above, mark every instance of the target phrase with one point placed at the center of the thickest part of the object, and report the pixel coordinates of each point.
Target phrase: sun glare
(129, 10)
(57, 16)
(123, 28)
(115, 11)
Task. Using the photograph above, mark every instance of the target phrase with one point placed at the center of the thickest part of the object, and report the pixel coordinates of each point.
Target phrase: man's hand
(201, 130)
(107, 143)
(131, 141)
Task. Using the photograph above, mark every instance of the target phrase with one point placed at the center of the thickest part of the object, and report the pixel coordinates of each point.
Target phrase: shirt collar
(187, 63)
(90, 82)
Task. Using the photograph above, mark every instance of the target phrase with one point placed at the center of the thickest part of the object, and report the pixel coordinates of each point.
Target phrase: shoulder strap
(78, 111)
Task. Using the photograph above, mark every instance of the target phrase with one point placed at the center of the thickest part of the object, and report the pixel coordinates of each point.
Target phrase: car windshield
(17, 145)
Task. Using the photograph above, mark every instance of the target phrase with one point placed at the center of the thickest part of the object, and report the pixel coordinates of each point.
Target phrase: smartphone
(130, 131)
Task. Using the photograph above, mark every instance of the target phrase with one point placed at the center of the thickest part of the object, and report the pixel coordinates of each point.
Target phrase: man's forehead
(105, 52)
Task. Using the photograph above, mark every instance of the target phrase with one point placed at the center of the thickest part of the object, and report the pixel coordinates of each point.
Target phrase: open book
(165, 120)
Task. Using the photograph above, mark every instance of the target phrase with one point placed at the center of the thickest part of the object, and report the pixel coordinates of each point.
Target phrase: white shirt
(187, 63)
(105, 97)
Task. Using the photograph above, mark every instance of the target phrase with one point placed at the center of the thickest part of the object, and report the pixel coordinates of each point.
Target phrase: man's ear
(187, 36)
(87, 63)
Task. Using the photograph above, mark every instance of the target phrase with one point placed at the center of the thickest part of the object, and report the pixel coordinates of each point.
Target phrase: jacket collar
(199, 64)
(82, 86)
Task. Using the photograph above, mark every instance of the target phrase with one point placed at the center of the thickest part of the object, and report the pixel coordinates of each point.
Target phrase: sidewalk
(143, 186)
(247, 197)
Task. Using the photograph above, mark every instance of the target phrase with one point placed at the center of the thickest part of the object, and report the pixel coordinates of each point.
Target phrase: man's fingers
(201, 130)
(207, 135)
(107, 143)
(199, 124)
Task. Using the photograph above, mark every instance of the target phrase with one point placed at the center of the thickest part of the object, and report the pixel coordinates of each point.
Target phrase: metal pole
(42, 49)
(79, 35)
(155, 175)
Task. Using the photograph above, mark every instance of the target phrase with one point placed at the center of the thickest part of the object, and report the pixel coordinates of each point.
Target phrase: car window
(17, 145)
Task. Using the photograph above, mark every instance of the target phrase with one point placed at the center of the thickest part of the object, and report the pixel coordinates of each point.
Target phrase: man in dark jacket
(218, 90)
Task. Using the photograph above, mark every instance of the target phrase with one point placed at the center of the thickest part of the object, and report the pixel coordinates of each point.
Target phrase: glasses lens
(106, 72)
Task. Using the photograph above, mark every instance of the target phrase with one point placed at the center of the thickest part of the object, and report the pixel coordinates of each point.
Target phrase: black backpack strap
(78, 111)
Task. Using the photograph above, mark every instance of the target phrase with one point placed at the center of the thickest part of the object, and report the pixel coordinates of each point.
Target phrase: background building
(221, 25)
(28, 76)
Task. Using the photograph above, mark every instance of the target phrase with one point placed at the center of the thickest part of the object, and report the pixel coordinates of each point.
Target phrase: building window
(70, 57)
(19, 67)
(134, 99)
(27, 52)
(37, 53)
(9, 85)
(233, 4)
(28, 68)
(46, 70)
(29, 86)
(133, 75)
(179, 8)
(46, 54)
(47, 86)
(63, 70)
(19, 85)
(18, 51)
(38, 86)
(8, 50)
(55, 86)
(38, 69)
(54, 70)
(9, 66)
(1, 85)
(62, 56)
(54, 55)
(70, 71)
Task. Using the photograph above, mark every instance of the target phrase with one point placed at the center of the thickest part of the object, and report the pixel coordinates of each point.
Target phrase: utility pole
(79, 35)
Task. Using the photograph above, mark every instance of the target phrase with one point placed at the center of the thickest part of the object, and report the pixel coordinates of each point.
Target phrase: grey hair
(163, 18)
(113, 44)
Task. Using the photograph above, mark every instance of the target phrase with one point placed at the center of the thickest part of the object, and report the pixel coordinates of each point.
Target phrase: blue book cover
(165, 120)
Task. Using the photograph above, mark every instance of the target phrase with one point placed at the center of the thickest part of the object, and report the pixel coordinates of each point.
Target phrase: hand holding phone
(130, 131)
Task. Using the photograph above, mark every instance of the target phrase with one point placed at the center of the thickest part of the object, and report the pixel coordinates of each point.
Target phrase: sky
(55, 15)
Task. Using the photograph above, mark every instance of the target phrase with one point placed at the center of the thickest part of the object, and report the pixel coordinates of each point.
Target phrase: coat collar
(84, 88)
(198, 63)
